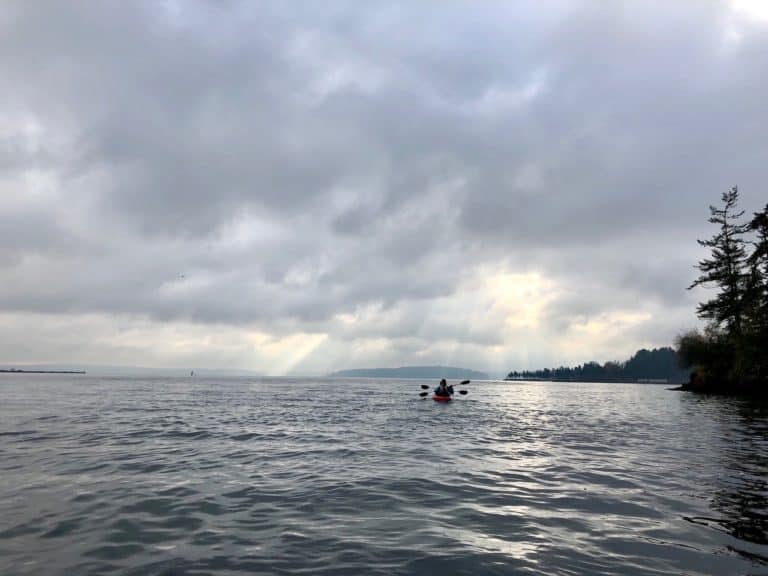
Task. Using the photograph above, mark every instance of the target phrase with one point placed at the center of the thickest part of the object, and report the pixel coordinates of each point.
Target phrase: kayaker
(443, 390)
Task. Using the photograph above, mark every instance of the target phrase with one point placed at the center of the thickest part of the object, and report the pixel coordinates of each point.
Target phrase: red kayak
(437, 398)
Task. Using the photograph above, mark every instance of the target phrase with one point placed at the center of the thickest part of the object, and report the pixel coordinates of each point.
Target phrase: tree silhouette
(732, 354)
(725, 269)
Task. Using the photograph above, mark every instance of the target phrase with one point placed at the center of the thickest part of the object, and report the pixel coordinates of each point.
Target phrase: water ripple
(186, 476)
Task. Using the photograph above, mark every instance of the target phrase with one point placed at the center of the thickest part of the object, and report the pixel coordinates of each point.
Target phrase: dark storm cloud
(279, 165)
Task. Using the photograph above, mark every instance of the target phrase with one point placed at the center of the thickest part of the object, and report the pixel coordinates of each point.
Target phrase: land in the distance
(657, 366)
(18, 371)
(412, 372)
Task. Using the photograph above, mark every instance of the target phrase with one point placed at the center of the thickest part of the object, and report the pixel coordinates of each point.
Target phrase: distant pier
(17, 371)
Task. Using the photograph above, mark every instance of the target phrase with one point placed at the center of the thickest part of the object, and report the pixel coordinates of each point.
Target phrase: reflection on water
(743, 497)
(190, 476)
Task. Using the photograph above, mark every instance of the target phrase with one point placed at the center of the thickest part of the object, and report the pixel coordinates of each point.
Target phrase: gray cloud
(277, 168)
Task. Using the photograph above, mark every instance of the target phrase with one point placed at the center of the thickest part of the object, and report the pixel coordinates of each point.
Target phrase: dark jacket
(447, 392)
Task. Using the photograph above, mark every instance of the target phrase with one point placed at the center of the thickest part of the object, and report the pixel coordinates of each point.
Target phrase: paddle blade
(463, 392)
(424, 387)
(464, 383)
(422, 394)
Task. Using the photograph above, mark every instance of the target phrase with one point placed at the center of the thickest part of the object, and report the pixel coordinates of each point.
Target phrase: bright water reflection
(276, 476)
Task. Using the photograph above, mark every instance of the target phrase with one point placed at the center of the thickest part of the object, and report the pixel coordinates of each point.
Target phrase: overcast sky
(304, 187)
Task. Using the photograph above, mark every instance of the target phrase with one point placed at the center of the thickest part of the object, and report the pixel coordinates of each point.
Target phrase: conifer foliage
(732, 353)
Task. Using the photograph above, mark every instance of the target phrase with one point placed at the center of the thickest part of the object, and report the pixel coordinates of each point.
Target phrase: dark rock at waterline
(707, 382)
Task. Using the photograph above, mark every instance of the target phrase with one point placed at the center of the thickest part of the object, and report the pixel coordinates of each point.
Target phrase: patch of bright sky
(753, 9)
(606, 332)
(744, 13)
(519, 298)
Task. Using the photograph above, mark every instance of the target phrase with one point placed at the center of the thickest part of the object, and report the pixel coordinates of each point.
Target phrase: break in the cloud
(289, 187)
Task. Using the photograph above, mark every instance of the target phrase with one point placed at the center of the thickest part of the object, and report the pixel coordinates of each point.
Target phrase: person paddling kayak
(443, 390)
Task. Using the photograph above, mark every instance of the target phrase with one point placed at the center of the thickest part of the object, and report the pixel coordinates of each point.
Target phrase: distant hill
(413, 372)
(657, 365)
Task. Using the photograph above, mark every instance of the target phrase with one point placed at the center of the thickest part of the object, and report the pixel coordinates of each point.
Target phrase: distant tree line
(659, 364)
(731, 354)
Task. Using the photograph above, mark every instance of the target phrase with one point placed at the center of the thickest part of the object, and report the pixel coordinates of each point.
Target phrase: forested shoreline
(657, 365)
(731, 354)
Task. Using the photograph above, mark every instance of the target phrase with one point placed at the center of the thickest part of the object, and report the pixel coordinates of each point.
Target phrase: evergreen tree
(732, 354)
(758, 263)
(757, 296)
(725, 269)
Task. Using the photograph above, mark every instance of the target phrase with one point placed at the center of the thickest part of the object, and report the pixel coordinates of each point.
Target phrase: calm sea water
(200, 476)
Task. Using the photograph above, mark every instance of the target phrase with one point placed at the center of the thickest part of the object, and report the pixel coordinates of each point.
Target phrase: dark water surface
(200, 476)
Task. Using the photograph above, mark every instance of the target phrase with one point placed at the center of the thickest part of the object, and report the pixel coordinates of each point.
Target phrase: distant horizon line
(10, 367)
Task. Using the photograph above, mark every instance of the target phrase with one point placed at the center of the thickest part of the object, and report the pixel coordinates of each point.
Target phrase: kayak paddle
(464, 383)
(462, 392)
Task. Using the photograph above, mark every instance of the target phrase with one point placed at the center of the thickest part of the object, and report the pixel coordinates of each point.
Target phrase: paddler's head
(443, 382)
